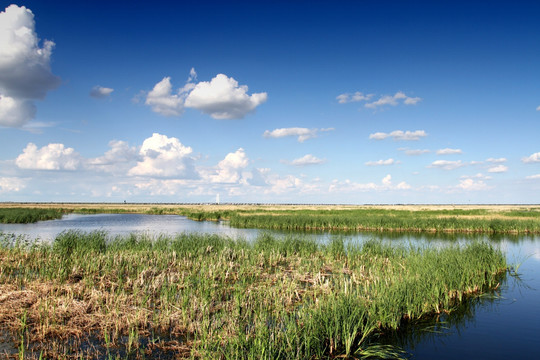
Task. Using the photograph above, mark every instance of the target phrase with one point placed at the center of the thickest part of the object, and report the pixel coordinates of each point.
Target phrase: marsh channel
(503, 325)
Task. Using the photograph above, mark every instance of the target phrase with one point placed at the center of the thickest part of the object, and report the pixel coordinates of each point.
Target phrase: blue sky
(273, 102)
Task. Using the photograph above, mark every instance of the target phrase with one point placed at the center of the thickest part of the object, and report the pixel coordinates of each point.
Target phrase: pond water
(496, 327)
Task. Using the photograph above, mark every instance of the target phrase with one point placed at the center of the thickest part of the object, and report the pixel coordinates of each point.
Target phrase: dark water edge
(501, 325)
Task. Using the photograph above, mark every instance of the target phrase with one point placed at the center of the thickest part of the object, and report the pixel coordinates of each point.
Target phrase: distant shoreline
(289, 206)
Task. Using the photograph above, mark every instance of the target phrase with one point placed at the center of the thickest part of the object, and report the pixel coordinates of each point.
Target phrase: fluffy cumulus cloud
(273, 184)
(120, 156)
(307, 160)
(50, 157)
(382, 162)
(302, 134)
(15, 112)
(25, 72)
(229, 170)
(11, 184)
(449, 151)
(472, 185)
(223, 98)
(100, 92)
(533, 158)
(538, 108)
(164, 157)
(162, 100)
(399, 135)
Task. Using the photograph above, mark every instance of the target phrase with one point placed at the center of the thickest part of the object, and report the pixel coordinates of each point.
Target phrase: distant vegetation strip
(523, 221)
(87, 295)
(475, 220)
(29, 215)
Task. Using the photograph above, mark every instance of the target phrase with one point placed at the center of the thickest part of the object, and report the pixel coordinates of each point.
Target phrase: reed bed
(29, 215)
(461, 221)
(88, 296)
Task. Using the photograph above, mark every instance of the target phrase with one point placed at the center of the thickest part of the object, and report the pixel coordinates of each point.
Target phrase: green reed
(29, 215)
(217, 297)
(388, 220)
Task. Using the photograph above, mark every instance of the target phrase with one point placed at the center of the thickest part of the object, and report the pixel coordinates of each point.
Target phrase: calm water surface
(503, 327)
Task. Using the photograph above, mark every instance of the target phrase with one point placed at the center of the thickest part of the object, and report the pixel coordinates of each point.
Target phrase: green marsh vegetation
(378, 219)
(487, 219)
(88, 295)
(29, 215)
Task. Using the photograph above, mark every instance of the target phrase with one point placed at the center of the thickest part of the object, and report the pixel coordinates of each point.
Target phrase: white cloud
(192, 75)
(382, 162)
(477, 176)
(15, 112)
(303, 134)
(307, 160)
(223, 98)
(533, 177)
(471, 185)
(533, 158)
(164, 157)
(496, 160)
(120, 156)
(282, 184)
(356, 97)
(384, 100)
(393, 100)
(538, 108)
(229, 169)
(50, 157)
(399, 135)
(414, 152)
(349, 186)
(11, 184)
(498, 169)
(446, 164)
(100, 92)
(448, 151)
(259, 177)
(163, 101)
(25, 72)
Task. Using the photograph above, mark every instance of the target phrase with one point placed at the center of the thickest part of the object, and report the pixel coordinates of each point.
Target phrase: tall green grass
(217, 297)
(386, 220)
(29, 215)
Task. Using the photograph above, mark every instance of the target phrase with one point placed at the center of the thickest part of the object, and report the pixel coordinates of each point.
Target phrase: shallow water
(501, 327)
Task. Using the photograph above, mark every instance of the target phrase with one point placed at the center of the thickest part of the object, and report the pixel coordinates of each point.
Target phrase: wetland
(125, 285)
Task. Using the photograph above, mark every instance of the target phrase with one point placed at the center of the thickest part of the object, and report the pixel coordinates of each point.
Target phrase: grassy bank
(29, 215)
(209, 297)
(473, 220)
(388, 221)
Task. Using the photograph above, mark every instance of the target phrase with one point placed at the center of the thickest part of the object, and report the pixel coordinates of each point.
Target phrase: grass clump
(210, 297)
